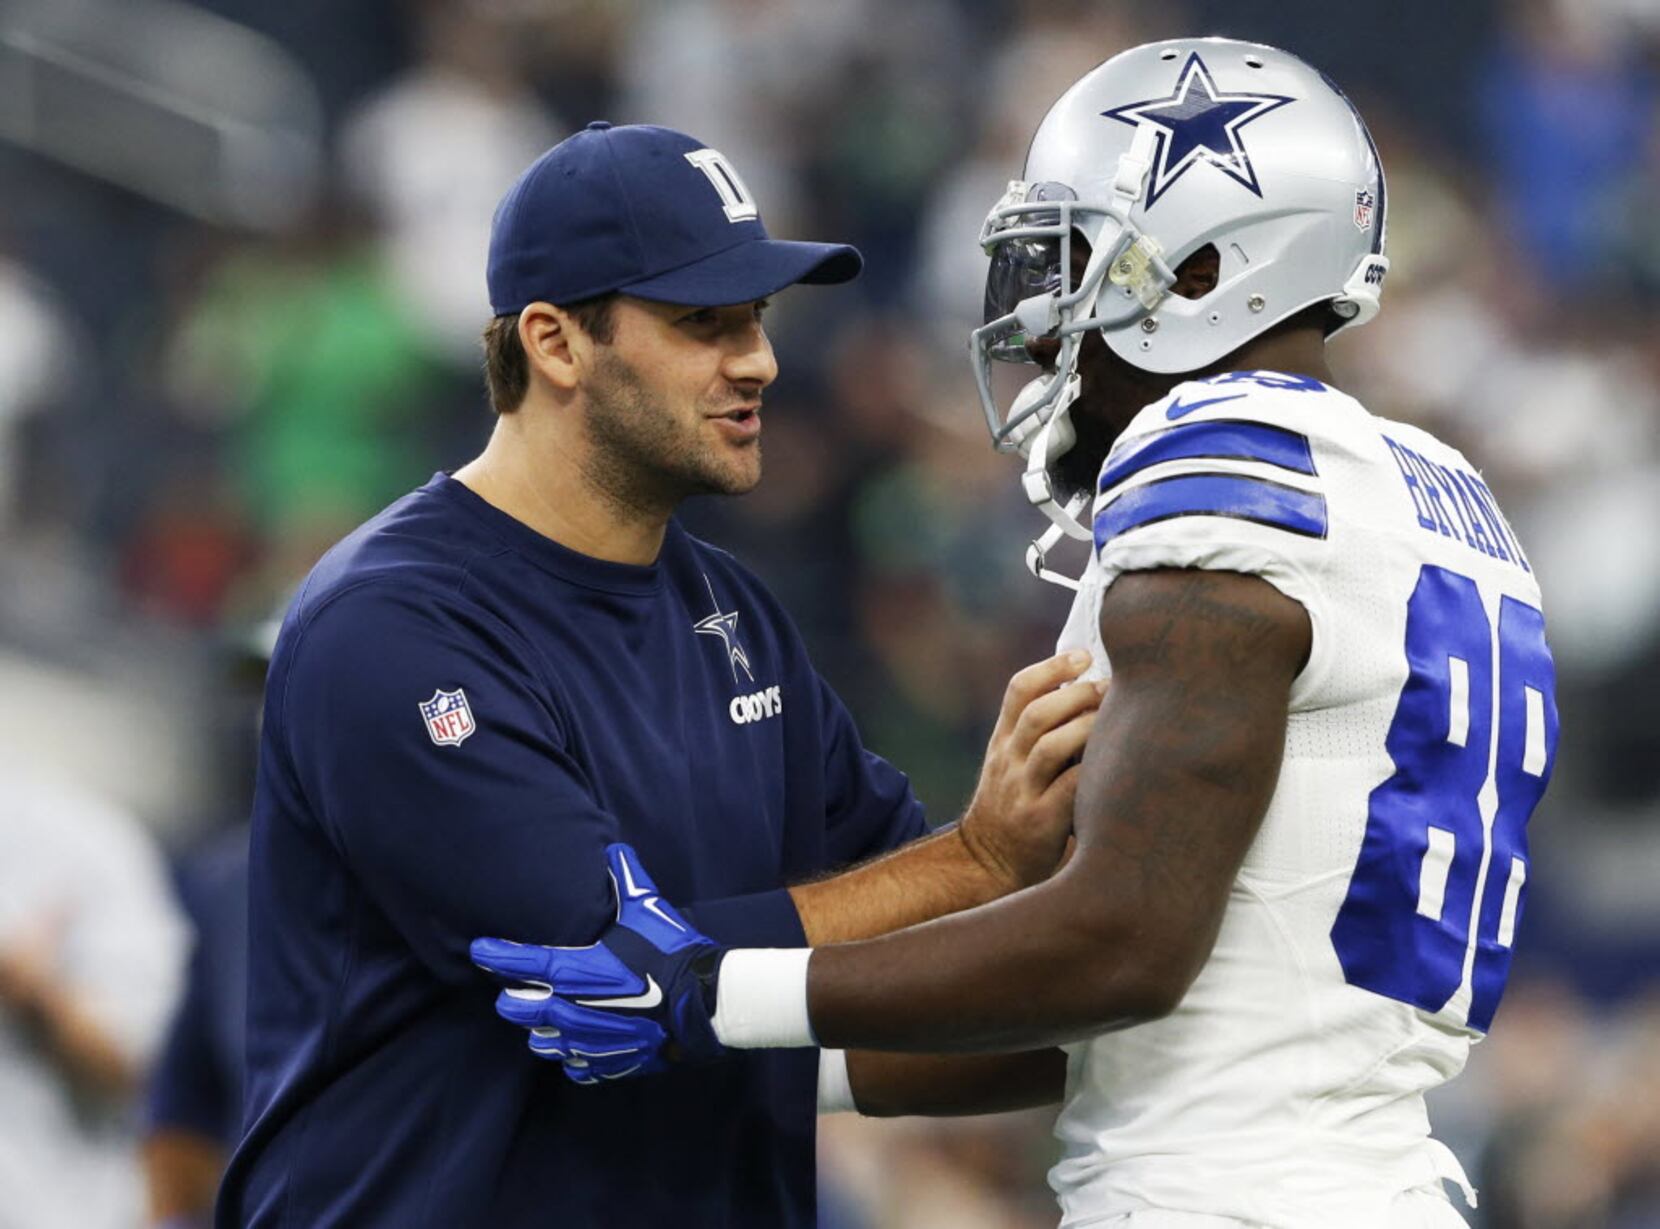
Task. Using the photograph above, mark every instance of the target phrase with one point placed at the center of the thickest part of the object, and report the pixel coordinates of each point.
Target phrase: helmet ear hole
(1199, 274)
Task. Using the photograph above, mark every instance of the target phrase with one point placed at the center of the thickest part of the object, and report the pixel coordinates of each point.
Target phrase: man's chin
(729, 479)
(1080, 466)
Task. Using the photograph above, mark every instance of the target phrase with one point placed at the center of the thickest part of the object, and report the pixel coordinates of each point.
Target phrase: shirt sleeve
(758, 919)
(426, 745)
(1238, 489)
(869, 809)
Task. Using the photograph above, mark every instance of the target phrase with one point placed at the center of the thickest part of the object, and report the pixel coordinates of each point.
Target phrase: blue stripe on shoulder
(1230, 495)
(1221, 439)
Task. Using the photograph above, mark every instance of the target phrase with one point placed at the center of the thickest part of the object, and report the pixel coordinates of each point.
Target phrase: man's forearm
(1012, 835)
(79, 1045)
(1041, 968)
(929, 878)
(951, 1085)
(182, 1170)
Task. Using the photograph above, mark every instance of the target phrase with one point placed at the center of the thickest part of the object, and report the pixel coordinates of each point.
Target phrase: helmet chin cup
(1038, 315)
(1044, 403)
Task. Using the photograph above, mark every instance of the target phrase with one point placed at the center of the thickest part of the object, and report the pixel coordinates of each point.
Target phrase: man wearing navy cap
(514, 668)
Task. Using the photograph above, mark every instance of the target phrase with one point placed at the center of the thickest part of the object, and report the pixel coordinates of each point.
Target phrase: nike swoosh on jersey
(650, 997)
(1179, 410)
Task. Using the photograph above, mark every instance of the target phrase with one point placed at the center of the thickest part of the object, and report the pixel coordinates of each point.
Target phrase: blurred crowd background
(241, 251)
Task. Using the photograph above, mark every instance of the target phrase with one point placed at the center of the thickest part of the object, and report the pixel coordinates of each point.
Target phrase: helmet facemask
(1030, 294)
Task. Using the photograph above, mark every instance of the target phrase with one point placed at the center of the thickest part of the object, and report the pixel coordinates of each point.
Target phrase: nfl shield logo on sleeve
(449, 717)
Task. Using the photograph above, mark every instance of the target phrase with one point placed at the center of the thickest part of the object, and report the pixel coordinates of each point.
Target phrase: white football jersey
(1367, 938)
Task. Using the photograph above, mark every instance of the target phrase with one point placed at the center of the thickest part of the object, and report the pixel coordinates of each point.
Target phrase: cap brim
(749, 271)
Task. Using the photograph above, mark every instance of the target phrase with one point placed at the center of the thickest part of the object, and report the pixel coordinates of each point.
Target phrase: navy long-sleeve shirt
(460, 715)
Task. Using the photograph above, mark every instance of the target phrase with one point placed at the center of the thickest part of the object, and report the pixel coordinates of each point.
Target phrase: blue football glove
(632, 1003)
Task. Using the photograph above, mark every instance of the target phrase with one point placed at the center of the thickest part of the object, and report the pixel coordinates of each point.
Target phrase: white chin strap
(1041, 448)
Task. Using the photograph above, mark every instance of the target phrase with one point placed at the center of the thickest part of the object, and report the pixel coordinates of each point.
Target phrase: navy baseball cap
(647, 211)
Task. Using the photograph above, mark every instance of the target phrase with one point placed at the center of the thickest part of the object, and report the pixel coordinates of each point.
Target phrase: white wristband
(835, 1090)
(761, 1002)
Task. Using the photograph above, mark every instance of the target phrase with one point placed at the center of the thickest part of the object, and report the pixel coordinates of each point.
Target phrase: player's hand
(1021, 816)
(640, 998)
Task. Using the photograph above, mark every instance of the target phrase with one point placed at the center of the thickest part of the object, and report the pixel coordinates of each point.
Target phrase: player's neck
(1295, 352)
(549, 484)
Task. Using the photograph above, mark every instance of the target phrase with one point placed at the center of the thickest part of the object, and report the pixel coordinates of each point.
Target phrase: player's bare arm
(1011, 836)
(1175, 782)
(887, 1085)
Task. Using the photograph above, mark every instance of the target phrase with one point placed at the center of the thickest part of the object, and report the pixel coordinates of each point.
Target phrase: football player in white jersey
(1301, 823)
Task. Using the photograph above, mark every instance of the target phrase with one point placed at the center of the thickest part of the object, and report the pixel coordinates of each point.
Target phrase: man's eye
(704, 315)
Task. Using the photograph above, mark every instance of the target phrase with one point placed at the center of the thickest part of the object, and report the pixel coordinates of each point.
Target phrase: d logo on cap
(736, 201)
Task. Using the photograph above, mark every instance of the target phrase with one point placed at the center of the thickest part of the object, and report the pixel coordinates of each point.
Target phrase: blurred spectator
(757, 79)
(310, 354)
(431, 153)
(1569, 110)
(194, 1110)
(90, 954)
(972, 1173)
(194, 1116)
(35, 369)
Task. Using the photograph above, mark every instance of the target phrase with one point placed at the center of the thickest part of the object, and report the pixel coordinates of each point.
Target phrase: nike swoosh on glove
(632, 1003)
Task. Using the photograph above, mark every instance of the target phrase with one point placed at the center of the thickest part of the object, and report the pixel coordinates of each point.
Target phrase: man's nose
(754, 363)
(1043, 350)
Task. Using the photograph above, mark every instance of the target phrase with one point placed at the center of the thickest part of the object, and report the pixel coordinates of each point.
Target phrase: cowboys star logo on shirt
(1199, 123)
(725, 627)
(449, 717)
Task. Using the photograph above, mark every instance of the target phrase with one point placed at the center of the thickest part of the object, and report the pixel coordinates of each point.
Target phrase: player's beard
(647, 458)
(1114, 392)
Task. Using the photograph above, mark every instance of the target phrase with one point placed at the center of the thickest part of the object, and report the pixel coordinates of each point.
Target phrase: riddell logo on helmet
(1374, 274)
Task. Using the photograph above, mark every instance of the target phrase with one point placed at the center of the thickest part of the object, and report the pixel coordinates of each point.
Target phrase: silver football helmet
(1153, 155)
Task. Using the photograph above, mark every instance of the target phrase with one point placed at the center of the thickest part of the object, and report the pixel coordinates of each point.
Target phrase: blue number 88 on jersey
(1439, 886)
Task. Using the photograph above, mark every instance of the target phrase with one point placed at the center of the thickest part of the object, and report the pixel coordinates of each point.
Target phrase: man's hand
(629, 1004)
(29, 965)
(1021, 816)
(35, 992)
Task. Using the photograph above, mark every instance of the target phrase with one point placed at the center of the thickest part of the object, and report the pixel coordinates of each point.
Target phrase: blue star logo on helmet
(1197, 122)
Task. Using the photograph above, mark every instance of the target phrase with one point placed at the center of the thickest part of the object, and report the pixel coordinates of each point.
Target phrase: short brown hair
(507, 370)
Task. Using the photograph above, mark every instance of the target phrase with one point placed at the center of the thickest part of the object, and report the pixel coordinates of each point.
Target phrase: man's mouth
(742, 421)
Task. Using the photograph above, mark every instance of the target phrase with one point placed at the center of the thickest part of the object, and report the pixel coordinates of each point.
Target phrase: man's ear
(555, 345)
(1198, 275)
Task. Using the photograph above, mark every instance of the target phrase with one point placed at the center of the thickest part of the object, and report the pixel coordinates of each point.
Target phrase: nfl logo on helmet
(1365, 202)
(449, 717)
